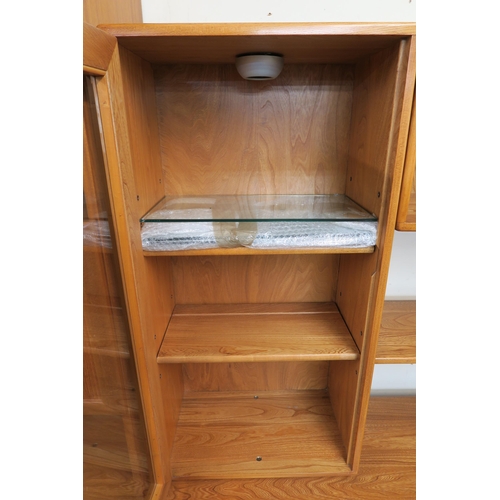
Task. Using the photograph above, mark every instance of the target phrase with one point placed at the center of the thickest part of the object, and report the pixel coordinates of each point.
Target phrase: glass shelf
(257, 208)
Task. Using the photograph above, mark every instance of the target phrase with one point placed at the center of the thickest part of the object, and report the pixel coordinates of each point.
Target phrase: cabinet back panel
(255, 279)
(221, 134)
(301, 375)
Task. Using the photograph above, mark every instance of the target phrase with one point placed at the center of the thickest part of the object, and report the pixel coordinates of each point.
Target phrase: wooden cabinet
(398, 333)
(407, 210)
(255, 363)
(116, 453)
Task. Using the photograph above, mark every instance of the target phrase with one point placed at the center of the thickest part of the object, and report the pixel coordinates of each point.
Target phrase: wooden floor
(387, 471)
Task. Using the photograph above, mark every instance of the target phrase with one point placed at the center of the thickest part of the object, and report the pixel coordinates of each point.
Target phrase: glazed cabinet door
(116, 455)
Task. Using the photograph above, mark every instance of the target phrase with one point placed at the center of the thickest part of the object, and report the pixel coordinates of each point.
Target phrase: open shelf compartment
(222, 435)
(256, 332)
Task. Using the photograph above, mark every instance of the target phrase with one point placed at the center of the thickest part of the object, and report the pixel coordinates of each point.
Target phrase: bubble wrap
(173, 236)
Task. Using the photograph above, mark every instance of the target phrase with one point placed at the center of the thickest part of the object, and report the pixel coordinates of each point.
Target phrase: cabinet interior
(259, 401)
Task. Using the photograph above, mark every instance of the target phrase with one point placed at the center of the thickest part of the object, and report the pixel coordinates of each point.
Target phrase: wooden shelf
(257, 251)
(397, 338)
(256, 332)
(221, 434)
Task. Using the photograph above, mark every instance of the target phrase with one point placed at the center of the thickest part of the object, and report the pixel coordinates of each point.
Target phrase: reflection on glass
(257, 208)
(116, 462)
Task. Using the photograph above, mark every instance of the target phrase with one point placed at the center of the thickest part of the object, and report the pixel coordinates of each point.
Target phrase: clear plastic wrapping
(174, 236)
(96, 233)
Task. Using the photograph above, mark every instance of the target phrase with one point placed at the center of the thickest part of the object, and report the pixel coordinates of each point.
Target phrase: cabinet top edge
(257, 29)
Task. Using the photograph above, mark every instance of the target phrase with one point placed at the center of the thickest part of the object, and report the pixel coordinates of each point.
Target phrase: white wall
(402, 274)
(231, 11)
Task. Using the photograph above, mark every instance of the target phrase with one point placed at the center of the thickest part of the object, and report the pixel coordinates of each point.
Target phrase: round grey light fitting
(259, 66)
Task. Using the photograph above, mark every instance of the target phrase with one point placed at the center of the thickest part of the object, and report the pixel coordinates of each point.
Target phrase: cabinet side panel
(221, 134)
(144, 141)
(304, 375)
(382, 103)
(123, 98)
(255, 279)
(368, 175)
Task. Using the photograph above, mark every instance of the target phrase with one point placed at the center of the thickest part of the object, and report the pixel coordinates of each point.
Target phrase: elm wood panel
(397, 336)
(143, 320)
(407, 211)
(101, 285)
(221, 134)
(113, 441)
(112, 11)
(254, 279)
(105, 331)
(288, 308)
(402, 102)
(98, 48)
(355, 290)
(373, 120)
(112, 384)
(90, 379)
(261, 337)
(219, 435)
(387, 468)
(94, 180)
(269, 376)
(220, 43)
(159, 279)
(257, 251)
(106, 483)
(390, 435)
(144, 142)
(108, 378)
(343, 379)
(396, 72)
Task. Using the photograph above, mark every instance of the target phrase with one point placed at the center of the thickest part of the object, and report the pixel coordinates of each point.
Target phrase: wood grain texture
(397, 337)
(98, 48)
(254, 279)
(396, 147)
(343, 380)
(220, 43)
(373, 118)
(257, 251)
(112, 11)
(407, 210)
(115, 442)
(108, 483)
(105, 442)
(145, 322)
(221, 134)
(220, 435)
(269, 376)
(387, 469)
(268, 334)
(140, 109)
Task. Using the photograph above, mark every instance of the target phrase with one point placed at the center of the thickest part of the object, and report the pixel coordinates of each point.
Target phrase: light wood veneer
(387, 469)
(397, 337)
(234, 333)
(221, 435)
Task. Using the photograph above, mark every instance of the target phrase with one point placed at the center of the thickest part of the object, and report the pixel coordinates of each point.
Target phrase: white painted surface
(259, 11)
(394, 380)
(402, 274)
